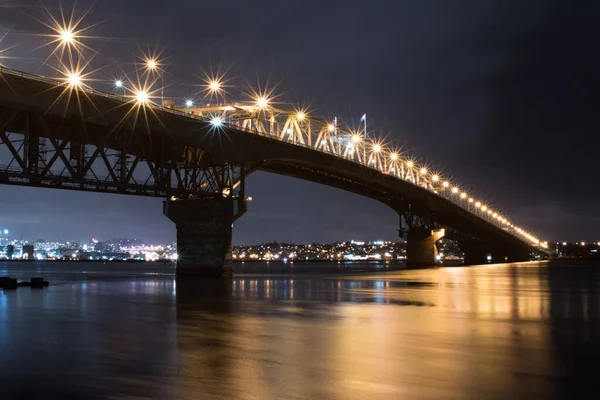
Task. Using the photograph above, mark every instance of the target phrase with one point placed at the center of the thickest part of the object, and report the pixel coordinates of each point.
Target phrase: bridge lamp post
(422, 173)
(118, 84)
(375, 156)
(152, 65)
(394, 159)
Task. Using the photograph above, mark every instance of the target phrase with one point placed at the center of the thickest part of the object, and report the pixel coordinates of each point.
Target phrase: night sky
(504, 96)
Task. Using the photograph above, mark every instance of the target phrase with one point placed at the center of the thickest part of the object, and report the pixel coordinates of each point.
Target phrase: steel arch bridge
(63, 134)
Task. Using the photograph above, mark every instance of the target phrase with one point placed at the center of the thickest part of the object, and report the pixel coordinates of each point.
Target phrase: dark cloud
(502, 95)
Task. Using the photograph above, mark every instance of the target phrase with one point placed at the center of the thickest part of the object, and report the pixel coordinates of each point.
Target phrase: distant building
(10, 250)
(28, 252)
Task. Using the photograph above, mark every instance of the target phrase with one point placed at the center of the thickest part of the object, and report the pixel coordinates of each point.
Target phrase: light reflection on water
(122, 331)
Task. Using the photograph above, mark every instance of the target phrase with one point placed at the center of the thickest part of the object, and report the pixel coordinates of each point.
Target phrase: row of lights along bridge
(68, 38)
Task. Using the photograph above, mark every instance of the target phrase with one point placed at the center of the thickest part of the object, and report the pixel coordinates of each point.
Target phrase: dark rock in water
(3, 280)
(37, 283)
(23, 283)
(8, 283)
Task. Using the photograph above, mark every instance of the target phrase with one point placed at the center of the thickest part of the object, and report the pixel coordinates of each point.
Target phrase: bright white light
(330, 127)
(410, 164)
(423, 171)
(455, 190)
(376, 148)
(118, 83)
(151, 64)
(394, 156)
(483, 208)
(355, 138)
(446, 184)
(214, 86)
(300, 116)
(262, 102)
(142, 96)
(67, 36)
(435, 178)
(6, 231)
(463, 195)
(189, 103)
(74, 79)
(478, 204)
(216, 121)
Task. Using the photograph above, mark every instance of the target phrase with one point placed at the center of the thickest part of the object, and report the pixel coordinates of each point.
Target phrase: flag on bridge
(363, 118)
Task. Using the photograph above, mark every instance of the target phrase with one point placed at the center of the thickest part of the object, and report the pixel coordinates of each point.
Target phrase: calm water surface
(119, 331)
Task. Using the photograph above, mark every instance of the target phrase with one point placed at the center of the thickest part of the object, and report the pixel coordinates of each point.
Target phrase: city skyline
(516, 177)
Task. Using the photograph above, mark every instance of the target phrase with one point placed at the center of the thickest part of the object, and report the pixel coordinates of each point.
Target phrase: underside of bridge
(98, 144)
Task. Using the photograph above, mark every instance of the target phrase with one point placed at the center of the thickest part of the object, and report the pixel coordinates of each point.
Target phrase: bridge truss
(42, 155)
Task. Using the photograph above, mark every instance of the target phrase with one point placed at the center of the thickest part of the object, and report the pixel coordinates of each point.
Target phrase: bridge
(63, 134)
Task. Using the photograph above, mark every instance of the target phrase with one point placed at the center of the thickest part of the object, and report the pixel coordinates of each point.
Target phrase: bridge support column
(204, 228)
(421, 250)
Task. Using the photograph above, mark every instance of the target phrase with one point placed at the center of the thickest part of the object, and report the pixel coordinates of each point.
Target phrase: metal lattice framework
(301, 129)
(44, 156)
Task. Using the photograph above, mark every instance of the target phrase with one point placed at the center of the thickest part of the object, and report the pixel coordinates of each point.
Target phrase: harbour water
(119, 330)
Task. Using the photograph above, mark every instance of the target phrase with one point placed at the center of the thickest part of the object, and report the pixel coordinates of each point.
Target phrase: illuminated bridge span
(63, 134)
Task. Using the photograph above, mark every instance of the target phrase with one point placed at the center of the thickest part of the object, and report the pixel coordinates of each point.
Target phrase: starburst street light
(214, 86)
(356, 138)
(118, 83)
(331, 127)
(410, 164)
(67, 33)
(67, 36)
(262, 102)
(216, 122)
(74, 79)
(394, 156)
(189, 103)
(300, 116)
(141, 96)
(376, 148)
(151, 64)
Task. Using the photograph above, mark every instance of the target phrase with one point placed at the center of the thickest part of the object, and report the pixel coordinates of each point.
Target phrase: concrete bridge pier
(204, 228)
(421, 249)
